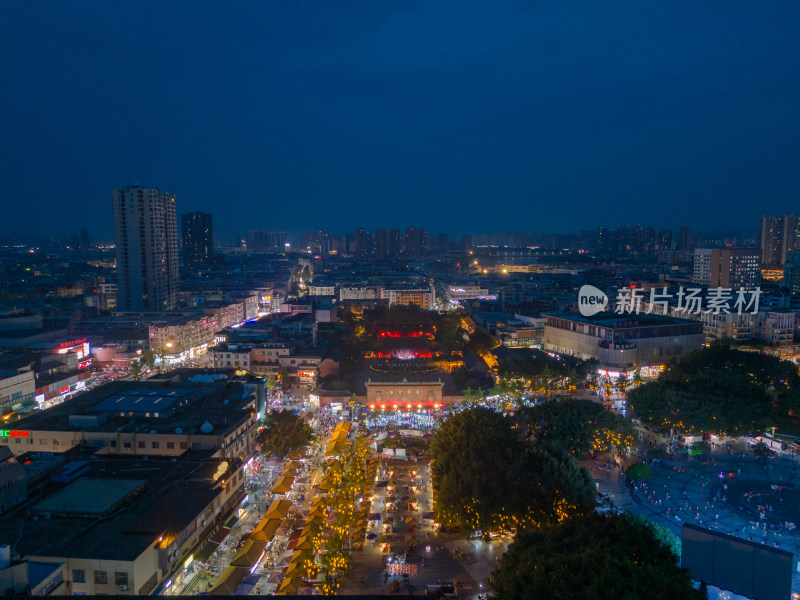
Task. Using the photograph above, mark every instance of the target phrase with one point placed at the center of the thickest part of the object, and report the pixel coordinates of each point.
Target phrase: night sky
(457, 116)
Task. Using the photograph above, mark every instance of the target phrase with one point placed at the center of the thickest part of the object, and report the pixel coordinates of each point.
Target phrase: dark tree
(615, 557)
(284, 431)
(481, 341)
(762, 452)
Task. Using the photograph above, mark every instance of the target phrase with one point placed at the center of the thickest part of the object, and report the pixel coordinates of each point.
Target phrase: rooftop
(613, 320)
(221, 403)
(145, 400)
(89, 497)
(22, 334)
(176, 492)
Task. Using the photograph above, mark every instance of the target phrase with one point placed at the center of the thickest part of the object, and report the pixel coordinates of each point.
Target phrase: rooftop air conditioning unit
(123, 587)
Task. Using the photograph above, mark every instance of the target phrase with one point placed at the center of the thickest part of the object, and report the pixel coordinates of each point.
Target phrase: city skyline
(448, 299)
(325, 114)
(77, 240)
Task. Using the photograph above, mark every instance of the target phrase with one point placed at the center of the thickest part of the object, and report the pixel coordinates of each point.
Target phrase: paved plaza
(741, 496)
(433, 556)
(745, 497)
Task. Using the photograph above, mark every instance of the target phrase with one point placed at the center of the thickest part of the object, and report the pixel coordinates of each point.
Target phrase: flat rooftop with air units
(145, 418)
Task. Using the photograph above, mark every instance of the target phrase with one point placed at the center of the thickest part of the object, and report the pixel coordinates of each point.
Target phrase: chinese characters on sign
(689, 301)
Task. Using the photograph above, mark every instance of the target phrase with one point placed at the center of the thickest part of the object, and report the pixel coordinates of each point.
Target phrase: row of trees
(719, 389)
(347, 482)
(330, 549)
(534, 370)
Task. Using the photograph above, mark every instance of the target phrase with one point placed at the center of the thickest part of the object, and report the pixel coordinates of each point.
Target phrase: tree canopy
(579, 426)
(525, 368)
(485, 477)
(719, 388)
(473, 452)
(284, 431)
(617, 557)
(529, 363)
(481, 341)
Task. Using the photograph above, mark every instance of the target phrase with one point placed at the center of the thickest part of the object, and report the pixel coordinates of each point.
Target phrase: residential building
(664, 240)
(416, 241)
(727, 267)
(381, 243)
(198, 239)
(684, 239)
(778, 236)
(146, 234)
(394, 243)
(362, 240)
(421, 296)
(791, 272)
(226, 314)
(454, 291)
(321, 289)
(230, 356)
(184, 336)
(266, 241)
(357, 292)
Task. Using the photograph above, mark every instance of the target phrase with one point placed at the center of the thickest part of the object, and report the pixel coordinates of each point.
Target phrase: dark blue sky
(459, 116)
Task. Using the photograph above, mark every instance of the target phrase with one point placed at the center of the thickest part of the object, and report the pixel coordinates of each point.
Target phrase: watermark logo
(591, 300)
(690, 301)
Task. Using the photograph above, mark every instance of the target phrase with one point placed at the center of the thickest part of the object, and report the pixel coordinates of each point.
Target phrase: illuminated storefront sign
(11, 433)
(80, 347)
(72, 343)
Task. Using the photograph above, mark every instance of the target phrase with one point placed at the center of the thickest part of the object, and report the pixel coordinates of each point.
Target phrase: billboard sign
(737, 565)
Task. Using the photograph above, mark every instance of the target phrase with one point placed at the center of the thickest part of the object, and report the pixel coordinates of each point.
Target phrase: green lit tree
(136, 369)
(149, 358)
(284, 431)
